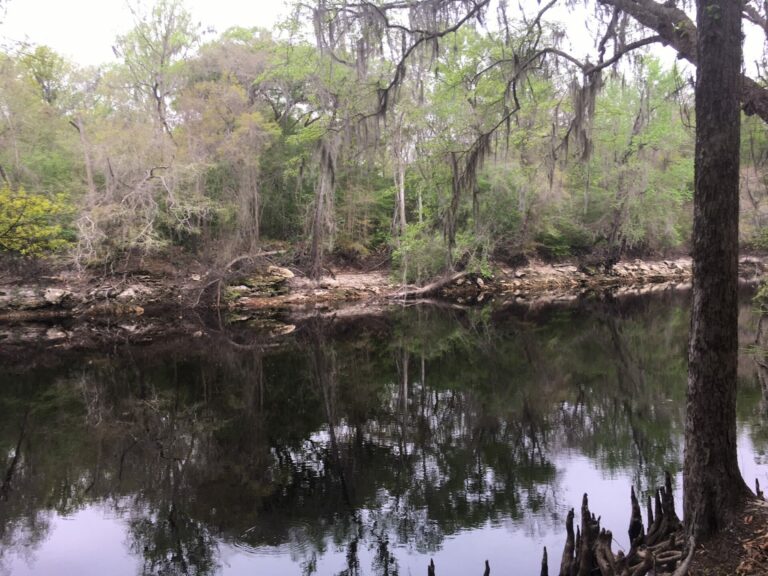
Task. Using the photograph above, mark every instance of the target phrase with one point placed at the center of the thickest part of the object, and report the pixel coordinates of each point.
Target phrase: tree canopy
(448, 134)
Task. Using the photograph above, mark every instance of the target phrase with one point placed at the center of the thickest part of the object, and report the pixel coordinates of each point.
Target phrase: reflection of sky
(94, 542)
(89, 542)
(752, 462)
(97, 540)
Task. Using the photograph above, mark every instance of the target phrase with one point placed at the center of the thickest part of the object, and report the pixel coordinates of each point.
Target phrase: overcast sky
(85, 30)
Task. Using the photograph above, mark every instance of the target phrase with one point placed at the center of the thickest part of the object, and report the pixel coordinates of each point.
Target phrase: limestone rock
(280, 272)
(55, 334)
(127, 295)
(55, 296)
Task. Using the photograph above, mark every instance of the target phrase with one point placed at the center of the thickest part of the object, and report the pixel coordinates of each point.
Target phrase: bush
(759, 240)
(32, 224)
(421, 255)
(350, 251)
(761, 296)
(563, 240)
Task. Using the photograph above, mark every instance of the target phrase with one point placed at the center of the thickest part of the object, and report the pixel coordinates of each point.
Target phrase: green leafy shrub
(32, 224)
(761, 296)
(351, 251)
(563, 240)
(760, 239)
(421, 255)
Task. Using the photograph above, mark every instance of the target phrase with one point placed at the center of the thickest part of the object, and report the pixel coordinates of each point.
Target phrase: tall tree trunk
(400, 223)
(78, 124)
(322, 217)
(249, 215)
(713, 486)
(400, 153)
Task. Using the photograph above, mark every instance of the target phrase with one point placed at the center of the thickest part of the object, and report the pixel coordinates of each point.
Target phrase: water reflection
(361, 447)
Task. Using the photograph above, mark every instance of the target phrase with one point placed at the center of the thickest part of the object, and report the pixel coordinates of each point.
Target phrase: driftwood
(221, 274)
(429, 290)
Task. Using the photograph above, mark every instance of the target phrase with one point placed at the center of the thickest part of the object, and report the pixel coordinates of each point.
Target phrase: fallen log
(429, 290)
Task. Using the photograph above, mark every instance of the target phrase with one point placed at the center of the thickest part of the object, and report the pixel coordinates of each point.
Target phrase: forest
(477, 147)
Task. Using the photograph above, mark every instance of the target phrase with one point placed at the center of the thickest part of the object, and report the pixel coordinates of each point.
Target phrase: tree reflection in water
(371, 438)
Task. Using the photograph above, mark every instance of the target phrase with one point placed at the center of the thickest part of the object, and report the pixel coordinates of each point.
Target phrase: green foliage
(421, 254)
(760, 239)
(49, 71)
(563, 240)
(190, 144)
(761, 296)
(636, 187)
(350, 250)
(31, 224)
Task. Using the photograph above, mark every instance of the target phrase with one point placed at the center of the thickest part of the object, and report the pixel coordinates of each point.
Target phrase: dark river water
(361, 446)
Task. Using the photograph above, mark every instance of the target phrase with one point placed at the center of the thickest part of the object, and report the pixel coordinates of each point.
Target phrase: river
(361, 446)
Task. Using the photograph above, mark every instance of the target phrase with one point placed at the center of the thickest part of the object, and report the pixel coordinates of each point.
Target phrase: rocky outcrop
(275, 288)
(35, 298)
(538, 279)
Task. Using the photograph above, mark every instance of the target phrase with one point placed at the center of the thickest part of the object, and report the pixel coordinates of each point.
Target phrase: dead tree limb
(429, 290)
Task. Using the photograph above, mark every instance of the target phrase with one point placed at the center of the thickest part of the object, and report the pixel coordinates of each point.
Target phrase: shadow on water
(358, 447)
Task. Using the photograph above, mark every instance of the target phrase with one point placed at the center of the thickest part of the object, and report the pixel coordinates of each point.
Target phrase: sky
(85, 30)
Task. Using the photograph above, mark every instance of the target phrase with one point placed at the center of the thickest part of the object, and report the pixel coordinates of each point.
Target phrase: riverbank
(269, 287)
(154, 300)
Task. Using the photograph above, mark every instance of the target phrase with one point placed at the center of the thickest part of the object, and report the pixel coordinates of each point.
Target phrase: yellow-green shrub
(31, 224)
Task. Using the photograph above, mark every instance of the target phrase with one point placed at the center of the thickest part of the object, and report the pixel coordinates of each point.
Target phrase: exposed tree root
(663, 550)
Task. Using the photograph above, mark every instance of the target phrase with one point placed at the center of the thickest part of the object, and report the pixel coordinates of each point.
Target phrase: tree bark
(78, 125)
(322, 219)
(249, 214)
(713, 485)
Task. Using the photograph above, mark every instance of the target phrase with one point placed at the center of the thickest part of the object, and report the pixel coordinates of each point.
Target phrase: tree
(48, 69)
(638, 181)
(713, 485)
(153, 51)
(222, 129)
